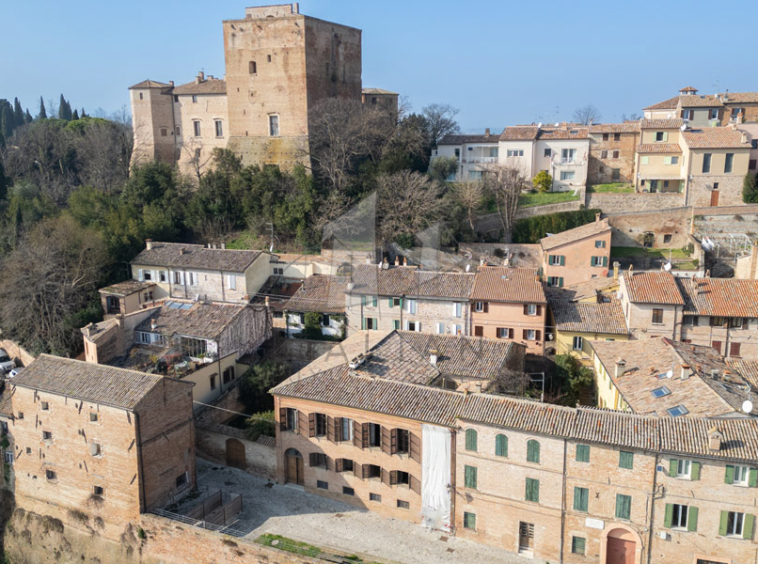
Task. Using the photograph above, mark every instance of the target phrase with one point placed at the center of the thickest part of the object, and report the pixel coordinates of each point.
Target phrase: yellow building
(598, 318)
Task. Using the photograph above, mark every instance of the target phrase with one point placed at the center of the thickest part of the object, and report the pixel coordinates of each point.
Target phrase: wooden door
(620, 551)
(478, 331)
(714, 198)
(235, 454)
(525, 537)
(716, 345)
(295, 468)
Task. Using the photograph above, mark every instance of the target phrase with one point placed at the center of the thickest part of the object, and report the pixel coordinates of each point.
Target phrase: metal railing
(223, 529)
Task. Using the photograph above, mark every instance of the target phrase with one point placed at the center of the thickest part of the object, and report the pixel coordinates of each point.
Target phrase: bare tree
(505, 184)
(632, 117)
(198, 162)
(469, 195)
(407, 203)
(510, 382)
(587, 114)
(441, 120)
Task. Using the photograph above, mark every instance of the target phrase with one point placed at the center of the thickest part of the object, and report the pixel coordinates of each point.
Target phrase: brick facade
(490, 320)
(576, 265)
(611, 151)
(429, 314)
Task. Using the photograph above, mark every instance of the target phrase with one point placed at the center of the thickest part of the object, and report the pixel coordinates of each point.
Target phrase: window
(556, 260)
(690, 320)
(504, 333)
(706, 162)
(402, 440)
(375, 497)
(501, 445)
(400, 478)
(532, 492)
(164, 132)
(736, 322)
(530, 334)
(626, 460)
(661, 136)
(471, 438)
(531, 309)
(320, 484)
(50, 475)
(8, 457)
(644, 161)
(95, 449)
(567, 155)
(617, 137)
(688, 114)
(670, 160)
(533, 451)
(469, 520)
(581, 499)
(470, 476)
(20, 415)
(290, 420)
(403, 504)
(458, 154)
(196, 128)
(343, 465)
(93, 417)
(578, 545)
(555, 281)
(515, 153)
(319, 424)
(344, 429)
(615, 174)
(623, 506)
(182, 479)
(140, 95)
(44, 406)
(219, 128)
(734, 349)
(741, 475)
(479, 307)
(657, 316)
(178, 131)
(733, 524)
(213, 381)
(677, 411)
(372, 471)
(548, 153)
(599, 261)
(615, 154)
(47, 436)
(728, 163)
(603, 154)
(228, 375)
(660, 392)
(411, 306)
(718, 321)
(681, 467)
(475, 174)
(713, 113)
(374, 435)
(577, 344)
(273, 125)
(582, 453)
(194, 98)
(318, 460)
(348, 491)
(568, 175)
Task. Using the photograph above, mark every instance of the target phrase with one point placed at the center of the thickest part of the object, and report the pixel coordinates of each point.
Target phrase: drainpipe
(140, 467)
(453, 472)
(652, 510)
(223, 293)
(563, 497)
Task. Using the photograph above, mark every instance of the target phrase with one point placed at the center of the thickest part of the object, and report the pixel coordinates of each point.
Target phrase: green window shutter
(581, 499)
(401, 303)
(747, 529)
(563, 260)
(363, 323)
(533, 451)
(560, 282)
(550, 259)
(723, 522)
(501, 445)
(471, 439)
(396, 324)
(363, 300)
(729, 477)
(669, 515)
(582, 453)
(390, 302)
(605, 261)
(375, 301)
(623, 506)
(673, 466)
(695, 471)
(665, 135)
(470, 476)
(626, 460)
(692, 519)
(532, 490)
(752, 477)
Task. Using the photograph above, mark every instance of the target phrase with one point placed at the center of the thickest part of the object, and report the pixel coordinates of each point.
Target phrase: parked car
(6, 362)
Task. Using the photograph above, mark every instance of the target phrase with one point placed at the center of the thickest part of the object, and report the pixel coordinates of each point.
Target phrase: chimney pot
(148, 244)
(620, 367)
(487, 132)
(597, 217)
(433, 356)
(714, 439)
(153, 324)
(397, 260)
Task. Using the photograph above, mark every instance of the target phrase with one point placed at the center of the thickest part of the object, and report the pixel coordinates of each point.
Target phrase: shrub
(257, 381)
(532, 229)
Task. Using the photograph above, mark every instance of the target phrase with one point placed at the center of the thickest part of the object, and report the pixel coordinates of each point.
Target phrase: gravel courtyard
(290, 512)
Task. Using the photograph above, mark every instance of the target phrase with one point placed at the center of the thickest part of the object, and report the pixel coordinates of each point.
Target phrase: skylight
(660, 392)
(677, 411)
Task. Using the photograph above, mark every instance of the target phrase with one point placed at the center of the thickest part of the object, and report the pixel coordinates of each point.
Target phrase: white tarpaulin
(435, 477)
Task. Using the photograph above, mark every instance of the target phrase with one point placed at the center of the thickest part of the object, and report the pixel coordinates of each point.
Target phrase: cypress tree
(83, 114)
(7, 119)
(28, 117)
(42, 112)
(18, 113)
(64, 111)
(3, 183)
(75, 116)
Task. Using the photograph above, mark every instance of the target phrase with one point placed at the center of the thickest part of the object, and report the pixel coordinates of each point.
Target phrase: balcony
(480, 160)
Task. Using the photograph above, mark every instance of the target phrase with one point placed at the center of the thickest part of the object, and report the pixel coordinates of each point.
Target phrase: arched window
(533, 451)
(471, 439)
(501, 445)
(252, 67)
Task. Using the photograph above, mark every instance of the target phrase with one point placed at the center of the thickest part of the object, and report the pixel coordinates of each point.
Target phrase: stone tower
(152, 121)
(279, 64)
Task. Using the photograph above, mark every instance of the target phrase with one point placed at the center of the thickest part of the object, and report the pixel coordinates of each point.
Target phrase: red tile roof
(502, 284)
(673, 123)
(723, 297)
(576, 234)
(653, 288)
(714, 138)
(626, 127)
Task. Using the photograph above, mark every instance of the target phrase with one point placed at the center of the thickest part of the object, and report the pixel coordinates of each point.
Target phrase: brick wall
(600, 170)
(577, 266)
(511, 316)
(629, 229)
(429, 313)
(625, 203)
(213, 440)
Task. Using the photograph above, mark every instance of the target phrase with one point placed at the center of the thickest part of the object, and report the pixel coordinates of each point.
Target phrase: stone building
(612, 149)
(577, 255)
(578, 323)
(383, 297)
(707, 110)
(101, 441)
(510, 304)
(279, 65)
(474, 153)
(549, 482)
(7, 451)
(322, 294)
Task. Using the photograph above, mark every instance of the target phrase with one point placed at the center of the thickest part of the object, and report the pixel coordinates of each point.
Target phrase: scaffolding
(732, 245)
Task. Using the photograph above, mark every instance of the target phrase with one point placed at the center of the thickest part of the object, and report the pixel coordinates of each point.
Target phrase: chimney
(433, 356)
(148, 244)
(200, 77)
(487, 132)
(350, 286)
(397, 260)
(597, 217)
(181, 251)
(405, 261)
(686, 371)
(223, 246)
(743, 140)
(616, 265)
(714, 439)
(153, 324)
(478, 387)
(620, 367)
(481, 261)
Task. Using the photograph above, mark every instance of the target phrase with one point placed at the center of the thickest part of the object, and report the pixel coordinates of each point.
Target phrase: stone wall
(260, 456)
(300, 351)
(626, 203)
(670, 228)
(17, 352)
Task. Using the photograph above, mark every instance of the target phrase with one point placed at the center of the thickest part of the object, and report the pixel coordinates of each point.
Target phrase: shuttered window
(532, 490)
(581, 499)
(533, 451)
(470, 476)
(626, 460)
(623, 506)
(582, 453)
(471, 439)
(501, 445)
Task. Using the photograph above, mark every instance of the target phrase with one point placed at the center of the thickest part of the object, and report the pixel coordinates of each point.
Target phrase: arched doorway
(621, 546)
(293, 464)
(235, 454)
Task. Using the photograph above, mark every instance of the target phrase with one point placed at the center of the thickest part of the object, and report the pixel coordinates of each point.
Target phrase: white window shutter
(407, 325)
(418, 327)
(440, 328)
(140, 275)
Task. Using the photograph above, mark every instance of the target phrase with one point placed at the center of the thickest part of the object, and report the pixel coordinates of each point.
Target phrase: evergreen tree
(4, 183)
(18, 113)
(75, 116)
(28, 117)
(42, 112)
(750, 189)
(7, 121)
(64, 111)
(84, 115)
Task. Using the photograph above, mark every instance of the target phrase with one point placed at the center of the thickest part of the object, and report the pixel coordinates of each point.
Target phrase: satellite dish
(747, 406)
(667, 266)
(683, 127)
(539, 124)
(670, 374)
(468, 267)
(557, 124)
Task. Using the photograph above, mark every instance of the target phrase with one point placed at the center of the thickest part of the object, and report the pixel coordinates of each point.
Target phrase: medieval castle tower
(279, 64)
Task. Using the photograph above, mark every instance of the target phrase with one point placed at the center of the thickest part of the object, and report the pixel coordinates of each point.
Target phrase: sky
(499, 62)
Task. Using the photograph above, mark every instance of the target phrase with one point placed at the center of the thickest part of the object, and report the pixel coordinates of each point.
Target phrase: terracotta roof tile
(208, 86)
(410, 281)
(653, 288)
(126, 288)
(725, 297)
(582, 290)
(183, 255)
(626, 127)
(192, 319)
(96, 383)
(615, 428)
(694, 101)
(520, 133)
(580, 317)
(469, 138)
(320, 293)
(150, 84)
(665, 148)
(576, 234)
(741, 97)
(714, 138)
(502, 284)
(673, 123)
(569, 132)
(669, 104)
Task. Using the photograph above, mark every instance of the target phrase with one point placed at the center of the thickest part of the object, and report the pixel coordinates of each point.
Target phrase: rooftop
(410, 281)
(667, 148)
(150, 84)
(184, 255)
(715, 138)
(503, 284)
(95, 383)
(583, 290)
(576, 234)
(6, 410)
(723, 297)
(469, 138)
(672, 123)
(208, 85)
(191, 319)
(579, 317)
(126, 288)
(626, 127)
(563, 131)
(378, 91)
(652, 288)
(321, 293)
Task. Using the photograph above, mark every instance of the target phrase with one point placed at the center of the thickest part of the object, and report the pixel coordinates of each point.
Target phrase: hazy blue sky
(500, 62)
